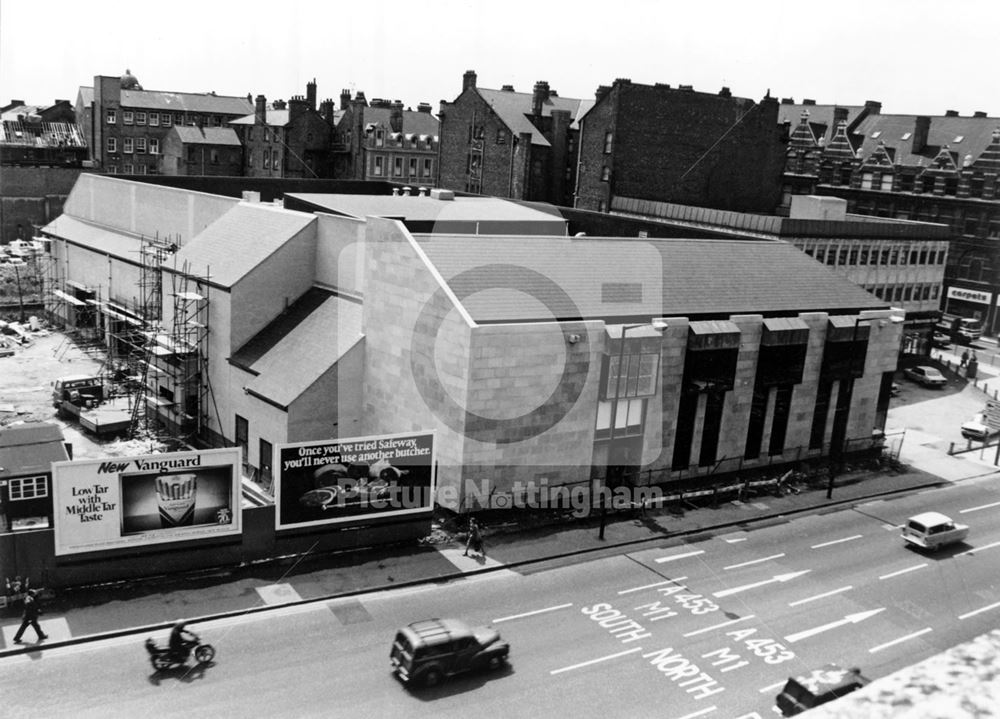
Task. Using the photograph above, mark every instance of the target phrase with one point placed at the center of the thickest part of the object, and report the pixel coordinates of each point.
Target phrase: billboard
(120, 502)
(342, 480)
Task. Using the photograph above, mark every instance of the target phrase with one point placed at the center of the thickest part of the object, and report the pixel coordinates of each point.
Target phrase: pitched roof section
(541, 278)
(416, 207)
(185, 102)
(514, 108)
(191, 135)
(300, 345)
(30, 448)
(821, 117)
(272, 118)
(417, 123)
(966, 136)
(123, 245)
(238, 241)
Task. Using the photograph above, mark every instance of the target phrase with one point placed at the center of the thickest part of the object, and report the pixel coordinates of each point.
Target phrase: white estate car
(931, 530)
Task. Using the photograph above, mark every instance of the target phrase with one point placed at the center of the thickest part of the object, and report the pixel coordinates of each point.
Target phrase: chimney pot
(979, 113)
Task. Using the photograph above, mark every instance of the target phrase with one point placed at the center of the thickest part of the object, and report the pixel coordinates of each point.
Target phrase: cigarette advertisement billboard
(121, 502)
(341, 480)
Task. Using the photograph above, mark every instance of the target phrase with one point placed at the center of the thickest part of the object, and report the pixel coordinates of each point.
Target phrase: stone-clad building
(202, 151)
(531, 357)
(654, 142)
(510, 144)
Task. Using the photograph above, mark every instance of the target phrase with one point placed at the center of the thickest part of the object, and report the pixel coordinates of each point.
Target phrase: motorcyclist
(181, 639)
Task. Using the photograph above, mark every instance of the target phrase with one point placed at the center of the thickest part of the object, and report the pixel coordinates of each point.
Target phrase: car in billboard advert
(344, 479)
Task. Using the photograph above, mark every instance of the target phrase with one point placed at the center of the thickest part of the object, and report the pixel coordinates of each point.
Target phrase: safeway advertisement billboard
(340, 480)
(122, 502)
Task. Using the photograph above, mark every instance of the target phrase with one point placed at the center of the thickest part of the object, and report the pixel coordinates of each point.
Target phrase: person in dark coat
(30, 617)
(475, 540)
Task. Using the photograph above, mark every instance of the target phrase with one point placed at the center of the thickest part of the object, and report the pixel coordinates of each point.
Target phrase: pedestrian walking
(965, 358)
(475, 540)
(30, 617)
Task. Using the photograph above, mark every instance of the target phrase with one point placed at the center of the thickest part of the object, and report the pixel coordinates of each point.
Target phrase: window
(379, 166)
(215, 156)
(628, 418)
(128, 145)
(127, 117)
(28, 488)
(605, 174)
(927, 184)
(112, 144)
(427, 167)
(140, 144)
(111, 117)
(397, 166)
(127, 169)
(501, 136)
(154, 146)
(167, 119)
(140, 118)
(886, 185)
(112, 169)
(640, 380)
(866, 180)
(154, 119)
(142, 169)
(413, 167)
(275, 159)
(267, 158)
(379, 138)
(608, 141)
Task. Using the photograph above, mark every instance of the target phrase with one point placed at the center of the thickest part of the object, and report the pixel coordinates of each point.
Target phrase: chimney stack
(839, 115)
(951, 113)
(538, 97)
(260, 115)
(424, 107)
(311, 94)
(327, 111)
(921, 128)
(396, 116)
(979, 113)
(874, 107)
(345, 99)
(468, 80)
(601, 92)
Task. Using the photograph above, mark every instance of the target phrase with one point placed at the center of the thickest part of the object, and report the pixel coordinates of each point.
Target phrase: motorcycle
(165, 657)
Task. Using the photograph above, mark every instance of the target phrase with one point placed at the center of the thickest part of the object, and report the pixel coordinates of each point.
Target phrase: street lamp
(895, 319)
(659, 324)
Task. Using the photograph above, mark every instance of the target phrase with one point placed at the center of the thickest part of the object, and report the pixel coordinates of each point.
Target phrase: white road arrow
(849, 619)
(772, 580)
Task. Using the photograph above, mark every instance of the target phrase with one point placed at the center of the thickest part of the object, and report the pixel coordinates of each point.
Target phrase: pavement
(89, 613)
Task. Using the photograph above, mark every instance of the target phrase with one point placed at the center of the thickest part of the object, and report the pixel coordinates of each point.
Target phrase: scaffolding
(177, 389)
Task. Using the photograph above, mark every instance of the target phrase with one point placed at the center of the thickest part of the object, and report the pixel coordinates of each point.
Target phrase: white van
(932, 530)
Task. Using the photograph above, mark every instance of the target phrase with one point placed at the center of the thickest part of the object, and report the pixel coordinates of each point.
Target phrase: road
(706, 627)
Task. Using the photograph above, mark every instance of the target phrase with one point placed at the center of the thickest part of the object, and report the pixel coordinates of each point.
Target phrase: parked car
(818, 687)
(428, 651)
(940, 339)
(927, 376)
(977, 429)
(932, 530)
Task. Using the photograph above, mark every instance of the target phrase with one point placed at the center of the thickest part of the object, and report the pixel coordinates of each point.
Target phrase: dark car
(927, 376)
(428, 651)
(818, 687)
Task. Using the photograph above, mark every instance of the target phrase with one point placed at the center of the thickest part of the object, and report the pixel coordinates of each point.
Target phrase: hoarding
(121, 502)
(342, 480)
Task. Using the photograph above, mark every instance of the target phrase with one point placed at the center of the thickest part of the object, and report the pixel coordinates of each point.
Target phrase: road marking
(979, 611)
(903, 571)
(820, 596)
(978, 549)
(719, 626)
(672, 557)
(771, 687)
(700, 712)
(976, 509)
(650, 586)
(849, 619)
(595, 661)
(880, 647)
(775, 578)
(836, 541)
(531, 614)
(755, 561)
